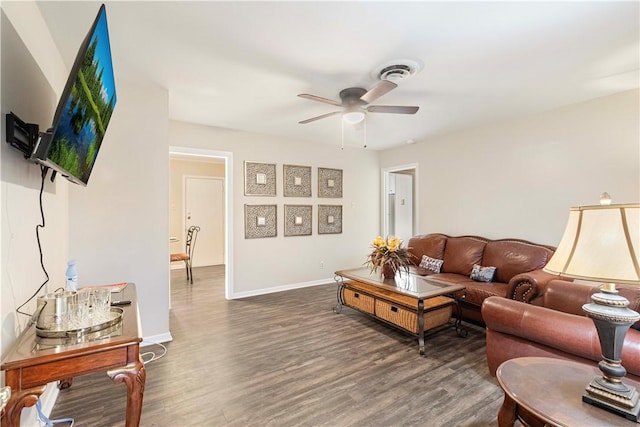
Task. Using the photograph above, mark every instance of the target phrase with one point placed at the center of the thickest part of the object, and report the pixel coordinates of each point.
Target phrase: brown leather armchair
(557, 327)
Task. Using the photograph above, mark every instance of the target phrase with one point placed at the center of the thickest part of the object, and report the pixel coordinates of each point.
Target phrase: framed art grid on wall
(329, 183)
(259, 179)
(329, 219)
(297, 220)
(260, 221)
(297, 181)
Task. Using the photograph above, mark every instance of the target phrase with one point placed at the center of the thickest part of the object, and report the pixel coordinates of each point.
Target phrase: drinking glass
(78, 313)
(101, 305)
(79, 310)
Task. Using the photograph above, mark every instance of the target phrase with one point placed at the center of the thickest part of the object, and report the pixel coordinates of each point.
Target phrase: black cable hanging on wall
(43, 173)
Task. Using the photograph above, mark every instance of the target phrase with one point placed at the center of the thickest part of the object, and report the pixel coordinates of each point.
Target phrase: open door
(399, 202)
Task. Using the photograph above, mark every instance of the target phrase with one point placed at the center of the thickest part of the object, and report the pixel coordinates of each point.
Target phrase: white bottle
(72, 276)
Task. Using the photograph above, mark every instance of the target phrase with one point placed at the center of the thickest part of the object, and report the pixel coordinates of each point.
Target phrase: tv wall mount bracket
(25, 137)
(22, 136)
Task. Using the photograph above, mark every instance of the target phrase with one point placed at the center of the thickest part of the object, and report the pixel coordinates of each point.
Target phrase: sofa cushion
(461, 253)
(476, 293)
(431, 245)
(482, 274)
(511, 257)
(432, 264)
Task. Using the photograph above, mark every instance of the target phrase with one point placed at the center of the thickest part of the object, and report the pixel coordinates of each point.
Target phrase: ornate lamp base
(612, 319)
(623, 402)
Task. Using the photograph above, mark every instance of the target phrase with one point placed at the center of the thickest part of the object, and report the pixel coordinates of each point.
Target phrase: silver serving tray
(116, 317)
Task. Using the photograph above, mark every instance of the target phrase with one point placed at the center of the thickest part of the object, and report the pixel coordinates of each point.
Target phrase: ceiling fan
(356, 102)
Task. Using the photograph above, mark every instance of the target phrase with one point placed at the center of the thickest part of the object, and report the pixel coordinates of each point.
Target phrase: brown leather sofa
(518, 263)
(554, 325)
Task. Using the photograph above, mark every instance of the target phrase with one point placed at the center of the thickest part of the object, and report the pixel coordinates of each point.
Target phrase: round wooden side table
(543, 391)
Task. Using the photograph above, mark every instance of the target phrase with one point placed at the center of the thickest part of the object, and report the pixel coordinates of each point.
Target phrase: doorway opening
(203, 206)
(400, 201)
(213, 156)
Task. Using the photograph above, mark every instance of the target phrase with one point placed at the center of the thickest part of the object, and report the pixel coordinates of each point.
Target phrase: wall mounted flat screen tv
(84, 109)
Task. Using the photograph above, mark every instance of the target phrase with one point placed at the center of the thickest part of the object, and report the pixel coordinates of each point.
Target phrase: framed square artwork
(259, 179)
(260, 221)
(329, 183)
(297, 220)
(297, 181)
(329, 219)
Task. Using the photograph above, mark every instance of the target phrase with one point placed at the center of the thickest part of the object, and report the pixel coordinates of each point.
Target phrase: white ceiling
(240, 65)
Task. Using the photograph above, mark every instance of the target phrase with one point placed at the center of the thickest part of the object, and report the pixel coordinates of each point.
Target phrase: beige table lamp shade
(600, 243)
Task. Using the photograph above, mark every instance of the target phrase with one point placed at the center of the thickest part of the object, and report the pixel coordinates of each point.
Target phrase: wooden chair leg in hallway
(187, 255)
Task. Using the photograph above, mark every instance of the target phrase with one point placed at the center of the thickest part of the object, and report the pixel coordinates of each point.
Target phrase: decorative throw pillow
(482, 274)
(432, 264)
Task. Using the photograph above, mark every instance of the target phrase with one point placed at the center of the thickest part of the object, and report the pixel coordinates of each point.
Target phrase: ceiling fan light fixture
(353, 117)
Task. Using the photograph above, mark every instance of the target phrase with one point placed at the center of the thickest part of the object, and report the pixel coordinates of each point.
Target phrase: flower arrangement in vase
(388, 255)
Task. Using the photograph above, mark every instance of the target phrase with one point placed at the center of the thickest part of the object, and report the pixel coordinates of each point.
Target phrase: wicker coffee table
(409, 302)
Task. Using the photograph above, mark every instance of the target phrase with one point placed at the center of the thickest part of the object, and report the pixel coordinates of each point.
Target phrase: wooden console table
(33, 362)
(412, 303)
(548, 392)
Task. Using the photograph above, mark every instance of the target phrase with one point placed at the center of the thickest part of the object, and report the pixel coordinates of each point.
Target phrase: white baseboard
(155, 339)
(238, 295)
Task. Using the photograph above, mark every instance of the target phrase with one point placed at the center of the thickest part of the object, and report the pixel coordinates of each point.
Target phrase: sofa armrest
(568, 333)
(562, 331)
(525, 287)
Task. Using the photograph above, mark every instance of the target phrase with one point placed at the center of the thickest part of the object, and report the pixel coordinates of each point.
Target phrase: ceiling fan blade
(381, 88)
(313, 119)
(395, 109)
(319, 99)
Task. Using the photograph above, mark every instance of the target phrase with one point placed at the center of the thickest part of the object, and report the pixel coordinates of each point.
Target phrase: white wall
(119, 223)
(262, 265)
(117, 226)
(519, 178)
(31, 70)
(28, 92)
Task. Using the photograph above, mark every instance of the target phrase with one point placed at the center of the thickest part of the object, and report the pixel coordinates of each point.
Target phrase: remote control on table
(119, 303)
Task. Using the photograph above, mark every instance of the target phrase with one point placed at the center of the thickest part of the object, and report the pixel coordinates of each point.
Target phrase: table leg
(421, 326)
(65, 383)
(507, 413)
(134, 377)
(460, 330)
(19, 400)
(340, 281)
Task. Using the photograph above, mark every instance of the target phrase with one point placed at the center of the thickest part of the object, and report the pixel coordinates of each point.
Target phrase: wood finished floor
(286, 359)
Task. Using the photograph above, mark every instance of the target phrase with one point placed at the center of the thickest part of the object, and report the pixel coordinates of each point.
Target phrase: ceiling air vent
(397, 70)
